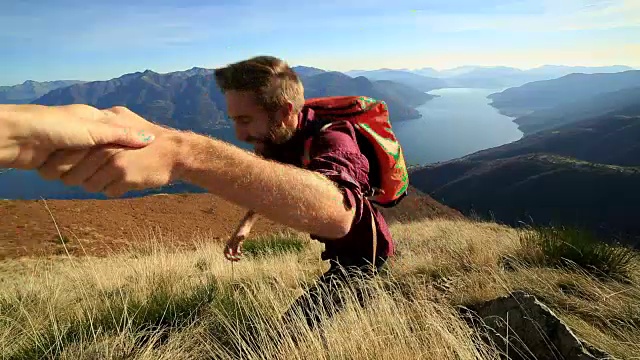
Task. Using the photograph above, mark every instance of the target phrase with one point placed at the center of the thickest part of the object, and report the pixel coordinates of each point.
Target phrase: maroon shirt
(335, 154)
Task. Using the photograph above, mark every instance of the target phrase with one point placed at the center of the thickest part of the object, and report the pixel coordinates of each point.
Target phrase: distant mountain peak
(307, 70)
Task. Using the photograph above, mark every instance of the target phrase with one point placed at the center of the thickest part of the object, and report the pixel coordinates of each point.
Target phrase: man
(265, 100)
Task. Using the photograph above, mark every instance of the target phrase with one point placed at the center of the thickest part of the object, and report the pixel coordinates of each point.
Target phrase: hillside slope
(546, 94)
(540, 189)
(609, 139)
(161, 303)
(621, 102)
(104, 226)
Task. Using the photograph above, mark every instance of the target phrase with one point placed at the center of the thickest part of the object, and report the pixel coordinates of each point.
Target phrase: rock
(534, 331)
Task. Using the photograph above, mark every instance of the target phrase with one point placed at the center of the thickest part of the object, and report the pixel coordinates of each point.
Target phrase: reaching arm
(247, 222)
(299, 198)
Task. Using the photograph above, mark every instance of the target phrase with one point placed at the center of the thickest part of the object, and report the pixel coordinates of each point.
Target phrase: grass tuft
(273, 245)
(575, 247)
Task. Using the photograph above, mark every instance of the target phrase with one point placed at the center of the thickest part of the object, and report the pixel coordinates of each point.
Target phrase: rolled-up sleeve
(335, 154)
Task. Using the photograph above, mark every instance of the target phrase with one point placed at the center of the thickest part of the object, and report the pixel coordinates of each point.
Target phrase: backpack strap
(309, 134)
(374, 230)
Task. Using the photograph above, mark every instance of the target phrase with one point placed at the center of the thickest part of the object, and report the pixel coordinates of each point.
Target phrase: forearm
(250, 218)
(301, 199)
(9, 131)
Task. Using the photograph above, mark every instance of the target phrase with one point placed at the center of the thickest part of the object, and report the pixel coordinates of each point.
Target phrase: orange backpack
(371, 119)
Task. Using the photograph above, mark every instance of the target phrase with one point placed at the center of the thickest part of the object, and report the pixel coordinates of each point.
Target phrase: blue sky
(46, 40)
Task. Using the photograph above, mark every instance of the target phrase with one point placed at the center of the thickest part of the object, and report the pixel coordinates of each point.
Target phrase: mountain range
(490, 77)
(545, 94)
(30, 90)
(191, 99)
(423, 79)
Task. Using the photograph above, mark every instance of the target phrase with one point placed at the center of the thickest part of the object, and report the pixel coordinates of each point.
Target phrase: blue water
(457, 123)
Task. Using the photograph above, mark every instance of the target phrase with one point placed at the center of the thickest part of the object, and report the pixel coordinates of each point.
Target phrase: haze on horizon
(90, 40)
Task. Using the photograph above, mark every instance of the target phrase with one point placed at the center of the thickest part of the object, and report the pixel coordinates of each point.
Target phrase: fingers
(104, 177)
(60, 162)
(103, 133)
(116, 189)
(232, 250)
(123, 117)
(91, 163)
(233, 254)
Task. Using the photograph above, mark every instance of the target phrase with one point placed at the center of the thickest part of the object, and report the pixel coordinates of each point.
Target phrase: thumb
(110, 134)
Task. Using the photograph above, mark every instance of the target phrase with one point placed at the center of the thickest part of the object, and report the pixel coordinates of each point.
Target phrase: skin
(311, 204)
(32, 133)
(232, 250)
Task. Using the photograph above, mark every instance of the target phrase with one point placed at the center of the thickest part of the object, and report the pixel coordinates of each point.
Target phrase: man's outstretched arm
(302, 199)
(299, 198)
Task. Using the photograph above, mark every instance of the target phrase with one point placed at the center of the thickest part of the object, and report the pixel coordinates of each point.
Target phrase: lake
(457, 123)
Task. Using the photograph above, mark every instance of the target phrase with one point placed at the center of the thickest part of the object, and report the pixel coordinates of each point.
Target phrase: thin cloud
(99, 26)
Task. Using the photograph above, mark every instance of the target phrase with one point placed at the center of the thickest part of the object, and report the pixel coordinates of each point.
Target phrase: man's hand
(232, 250)
(31, 133)
(115, 170)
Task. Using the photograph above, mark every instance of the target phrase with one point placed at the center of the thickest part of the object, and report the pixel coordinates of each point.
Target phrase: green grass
(569, 247)
(273, 245)
(158, 314)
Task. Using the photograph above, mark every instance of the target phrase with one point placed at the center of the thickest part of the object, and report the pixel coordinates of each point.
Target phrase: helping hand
(31, 133)
(115, 170)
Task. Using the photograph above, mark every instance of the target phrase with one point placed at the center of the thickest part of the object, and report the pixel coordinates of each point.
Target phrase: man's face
(253, 123)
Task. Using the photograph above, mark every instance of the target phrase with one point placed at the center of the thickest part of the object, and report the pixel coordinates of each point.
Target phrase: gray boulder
(533, 331)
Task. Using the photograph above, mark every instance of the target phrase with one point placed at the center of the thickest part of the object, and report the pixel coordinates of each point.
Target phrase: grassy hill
(156, 302)
(541, 189)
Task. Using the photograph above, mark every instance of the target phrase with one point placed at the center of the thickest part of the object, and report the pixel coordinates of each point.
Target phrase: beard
(277, 136)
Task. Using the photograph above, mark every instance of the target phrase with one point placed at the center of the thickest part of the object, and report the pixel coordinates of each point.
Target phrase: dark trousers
(323, 297)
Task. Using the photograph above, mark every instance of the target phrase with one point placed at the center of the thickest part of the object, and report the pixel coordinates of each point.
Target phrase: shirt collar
(304, 117)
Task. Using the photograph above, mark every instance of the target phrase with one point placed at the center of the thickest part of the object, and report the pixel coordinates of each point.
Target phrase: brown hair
(270, 78)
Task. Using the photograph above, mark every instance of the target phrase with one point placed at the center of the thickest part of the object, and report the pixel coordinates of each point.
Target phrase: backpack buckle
(373, 191)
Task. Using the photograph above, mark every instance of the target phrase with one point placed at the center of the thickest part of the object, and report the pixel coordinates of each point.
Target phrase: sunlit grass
(161, 303)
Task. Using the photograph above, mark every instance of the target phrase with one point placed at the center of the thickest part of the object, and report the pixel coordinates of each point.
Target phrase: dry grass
(159, 303)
